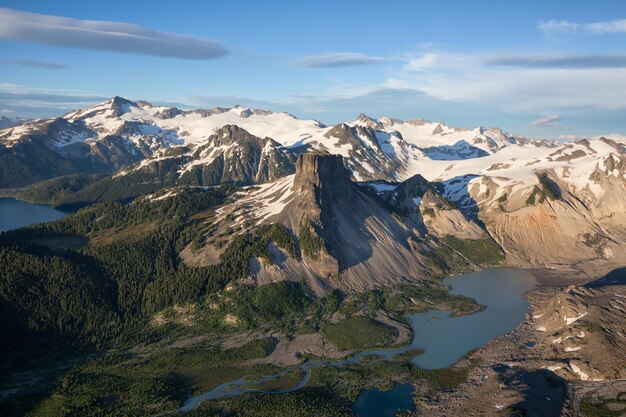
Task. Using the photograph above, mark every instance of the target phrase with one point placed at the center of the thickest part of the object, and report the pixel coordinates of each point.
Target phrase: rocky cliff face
(557, 207)
(324, 186)
(323, 178)
(555, 223)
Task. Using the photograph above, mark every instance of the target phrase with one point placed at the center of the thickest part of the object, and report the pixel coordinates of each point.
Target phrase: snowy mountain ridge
(373, 149)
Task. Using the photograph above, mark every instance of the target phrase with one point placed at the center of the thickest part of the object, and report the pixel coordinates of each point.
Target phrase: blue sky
(536, 68)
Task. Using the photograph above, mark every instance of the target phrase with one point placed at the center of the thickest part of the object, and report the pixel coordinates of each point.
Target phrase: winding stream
(445, 339)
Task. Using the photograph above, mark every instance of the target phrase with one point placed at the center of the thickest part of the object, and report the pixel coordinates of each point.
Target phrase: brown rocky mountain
(349, 237)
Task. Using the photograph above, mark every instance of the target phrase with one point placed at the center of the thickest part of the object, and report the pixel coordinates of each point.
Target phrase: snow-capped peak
(114, 107)
(366, 121)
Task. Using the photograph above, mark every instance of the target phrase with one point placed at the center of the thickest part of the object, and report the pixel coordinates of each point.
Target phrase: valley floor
(566, 358)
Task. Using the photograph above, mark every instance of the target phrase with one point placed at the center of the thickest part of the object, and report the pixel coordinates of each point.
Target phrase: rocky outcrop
(417, 199)
(406, 197)
(323, 178)
(324, 184)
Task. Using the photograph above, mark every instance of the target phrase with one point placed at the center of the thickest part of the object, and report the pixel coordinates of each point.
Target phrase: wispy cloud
(565, 26)
(519, 81)
(345, 59)
(558, 26)
(547, 121)
(45, 100)
(573, 61)
(437, 61)
(104, 36)
(37, 64)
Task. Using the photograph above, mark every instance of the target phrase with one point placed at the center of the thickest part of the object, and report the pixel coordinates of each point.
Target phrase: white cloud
(103, 35)
(515, 81)
(426, 61)
(550, 120)
(558, 26)
(564, 26)
(614, 26)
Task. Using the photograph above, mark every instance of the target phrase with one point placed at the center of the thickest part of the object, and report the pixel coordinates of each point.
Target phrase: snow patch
(583, 376)
(381, 187)
(570, 320)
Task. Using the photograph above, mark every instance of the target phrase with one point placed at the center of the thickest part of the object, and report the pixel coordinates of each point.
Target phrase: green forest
(87, 278)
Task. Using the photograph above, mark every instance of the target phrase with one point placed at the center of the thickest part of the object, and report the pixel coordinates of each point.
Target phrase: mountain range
(207, 245)
(402, 187)
(117, 133)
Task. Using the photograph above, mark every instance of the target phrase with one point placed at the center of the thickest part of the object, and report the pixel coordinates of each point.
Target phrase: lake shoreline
(438, 353)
